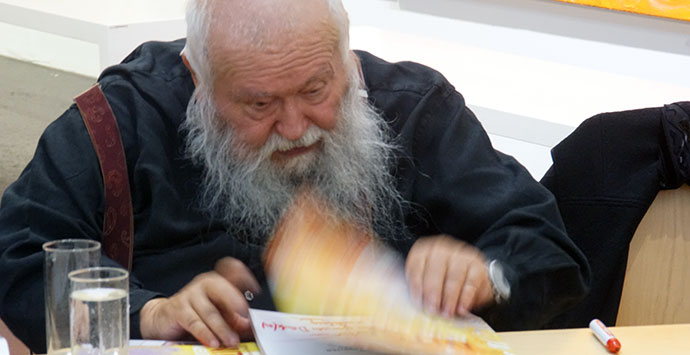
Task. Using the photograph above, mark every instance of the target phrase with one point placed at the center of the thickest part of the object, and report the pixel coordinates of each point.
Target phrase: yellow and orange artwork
(675, 9)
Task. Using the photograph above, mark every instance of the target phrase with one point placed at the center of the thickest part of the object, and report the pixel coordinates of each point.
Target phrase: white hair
(245, 189)
(248, 192)
(199, 21)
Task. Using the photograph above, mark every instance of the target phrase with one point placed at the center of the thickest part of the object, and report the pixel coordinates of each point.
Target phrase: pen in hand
(605, 336)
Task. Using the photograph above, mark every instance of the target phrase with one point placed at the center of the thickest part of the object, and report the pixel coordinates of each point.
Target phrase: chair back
(16, 346)
(656, 288)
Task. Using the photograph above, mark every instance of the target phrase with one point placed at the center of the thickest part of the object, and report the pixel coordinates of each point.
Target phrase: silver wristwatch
(499, 282)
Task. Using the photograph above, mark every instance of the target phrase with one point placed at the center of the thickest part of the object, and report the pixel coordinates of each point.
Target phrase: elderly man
(265, 98)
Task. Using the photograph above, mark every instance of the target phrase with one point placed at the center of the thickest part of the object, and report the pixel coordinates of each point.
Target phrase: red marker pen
(605, 336)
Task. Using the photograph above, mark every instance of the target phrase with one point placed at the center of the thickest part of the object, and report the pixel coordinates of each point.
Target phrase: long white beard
(249, 192)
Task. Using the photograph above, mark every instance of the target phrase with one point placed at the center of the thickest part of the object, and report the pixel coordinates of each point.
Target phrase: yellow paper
(319, 264)
(146, 347)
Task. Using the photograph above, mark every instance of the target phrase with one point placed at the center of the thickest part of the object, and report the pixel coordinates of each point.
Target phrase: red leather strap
(118, 222)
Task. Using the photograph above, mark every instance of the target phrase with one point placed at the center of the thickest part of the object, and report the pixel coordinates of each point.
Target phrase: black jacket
(605, 175)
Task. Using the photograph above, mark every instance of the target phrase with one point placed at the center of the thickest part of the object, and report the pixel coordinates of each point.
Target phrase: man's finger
(475, 277)
(229, 300)
(190, 320)
(486, 293)
(455, 280)
(243, 327)
(237, 274)
(466, 299)
(414, 270)
(433, 279)
(213, 321)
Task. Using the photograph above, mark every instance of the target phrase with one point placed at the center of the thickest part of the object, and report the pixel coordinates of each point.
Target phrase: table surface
(653, 339)
(637, 340)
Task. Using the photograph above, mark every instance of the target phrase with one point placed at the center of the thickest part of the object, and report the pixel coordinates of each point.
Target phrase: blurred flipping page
(341, 290)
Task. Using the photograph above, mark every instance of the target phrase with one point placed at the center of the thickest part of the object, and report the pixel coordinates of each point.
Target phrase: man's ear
(186, 64)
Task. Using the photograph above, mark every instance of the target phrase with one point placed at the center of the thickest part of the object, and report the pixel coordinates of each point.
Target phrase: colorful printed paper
(321, 265)
(161, 347)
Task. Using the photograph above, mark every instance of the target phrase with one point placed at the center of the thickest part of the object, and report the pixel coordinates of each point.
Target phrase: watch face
(499, 281)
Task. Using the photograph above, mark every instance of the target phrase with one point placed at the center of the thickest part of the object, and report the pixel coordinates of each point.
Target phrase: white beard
(249, 192)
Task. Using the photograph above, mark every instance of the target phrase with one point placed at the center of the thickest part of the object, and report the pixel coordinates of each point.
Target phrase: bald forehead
(261, 23)
(248, 35)
(267, 7)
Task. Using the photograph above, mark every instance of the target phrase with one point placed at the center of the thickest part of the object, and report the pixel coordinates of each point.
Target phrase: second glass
(61, 257)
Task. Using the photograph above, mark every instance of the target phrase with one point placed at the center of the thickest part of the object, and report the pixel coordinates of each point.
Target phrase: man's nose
(292, 123)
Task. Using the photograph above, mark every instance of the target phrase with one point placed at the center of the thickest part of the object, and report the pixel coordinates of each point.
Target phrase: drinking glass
(62, 257)
(99, 311)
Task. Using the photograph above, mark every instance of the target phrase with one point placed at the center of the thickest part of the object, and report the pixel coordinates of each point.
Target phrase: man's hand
(211, 308)
(448, 275)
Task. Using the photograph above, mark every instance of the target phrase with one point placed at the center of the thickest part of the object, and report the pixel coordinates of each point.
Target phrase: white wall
(532, 88)
(85, 36)
(529, 85)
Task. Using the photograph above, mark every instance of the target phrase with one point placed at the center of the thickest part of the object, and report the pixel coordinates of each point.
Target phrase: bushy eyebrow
(325, 73)
(253, 96)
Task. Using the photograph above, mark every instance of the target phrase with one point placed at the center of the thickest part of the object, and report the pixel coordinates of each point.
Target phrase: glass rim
(75, 277)
(88, 245)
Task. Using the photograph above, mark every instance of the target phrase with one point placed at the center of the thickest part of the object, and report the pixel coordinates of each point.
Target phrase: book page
(293, 334)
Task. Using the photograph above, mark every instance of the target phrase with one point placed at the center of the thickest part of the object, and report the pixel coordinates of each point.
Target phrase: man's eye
(260, 105)
(315, 91)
